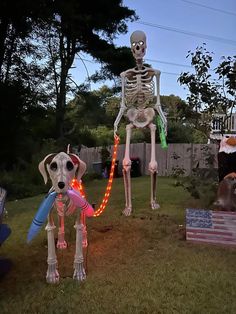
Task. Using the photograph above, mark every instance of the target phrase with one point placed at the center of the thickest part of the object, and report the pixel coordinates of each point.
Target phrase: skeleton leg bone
(153, 167)
(79, 271)
(61, 243)
(83, 221)
(52, 273)
(126, 172)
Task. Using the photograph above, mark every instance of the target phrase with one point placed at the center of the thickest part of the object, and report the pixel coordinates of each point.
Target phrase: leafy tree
(22, 118)
(177, 109)
(38, 43)
(210, 91)
(84, 26)
(181, 121)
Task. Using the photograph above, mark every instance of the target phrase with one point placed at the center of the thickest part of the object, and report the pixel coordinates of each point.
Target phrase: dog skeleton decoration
(62, 168)
(140, 99)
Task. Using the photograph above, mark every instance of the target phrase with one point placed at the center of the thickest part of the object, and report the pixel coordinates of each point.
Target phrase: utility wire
(210, 8)
(165, 62)
(152, 60)
(88, 76)
(172, 29)
(157, 61)
(170, 73)
(170, 63)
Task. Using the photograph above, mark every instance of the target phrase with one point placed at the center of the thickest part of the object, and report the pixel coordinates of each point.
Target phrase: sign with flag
(208, 226)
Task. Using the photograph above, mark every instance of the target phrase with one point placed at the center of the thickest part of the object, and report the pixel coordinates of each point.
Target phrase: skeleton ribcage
(139, 89)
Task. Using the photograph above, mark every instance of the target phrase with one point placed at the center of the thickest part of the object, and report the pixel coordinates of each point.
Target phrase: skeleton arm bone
(118, 118)
(122, 105)
(158, 102)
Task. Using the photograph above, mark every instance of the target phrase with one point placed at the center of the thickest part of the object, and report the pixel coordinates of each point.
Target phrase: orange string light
(78, 185)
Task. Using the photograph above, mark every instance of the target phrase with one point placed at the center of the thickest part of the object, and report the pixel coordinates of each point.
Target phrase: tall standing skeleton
(140, 99)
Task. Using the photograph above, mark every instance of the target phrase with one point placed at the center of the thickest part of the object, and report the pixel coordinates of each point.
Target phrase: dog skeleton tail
(68, 149)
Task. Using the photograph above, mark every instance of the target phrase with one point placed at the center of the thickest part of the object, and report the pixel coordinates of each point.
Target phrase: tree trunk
(67, 54)
(60, 107)
(3, 36)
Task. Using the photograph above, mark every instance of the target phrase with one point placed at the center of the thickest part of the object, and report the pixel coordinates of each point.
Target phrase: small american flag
(208, 226)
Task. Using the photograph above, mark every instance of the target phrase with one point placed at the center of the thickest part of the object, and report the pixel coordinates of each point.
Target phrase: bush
(18, 184)
(25, 181)
(203, 182)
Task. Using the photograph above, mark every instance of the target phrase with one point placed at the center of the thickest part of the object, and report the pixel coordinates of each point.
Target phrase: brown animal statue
(226, 194)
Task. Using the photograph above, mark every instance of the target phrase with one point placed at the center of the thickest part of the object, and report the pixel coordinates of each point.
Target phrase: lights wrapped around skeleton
(79, 187)
(75, 184)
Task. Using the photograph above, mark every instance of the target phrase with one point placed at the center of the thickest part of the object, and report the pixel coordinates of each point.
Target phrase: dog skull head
(138, 44)
(61, 171)
(61, 168)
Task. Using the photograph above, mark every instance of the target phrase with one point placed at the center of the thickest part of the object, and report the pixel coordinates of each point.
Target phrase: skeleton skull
(138, 44)
(61, 171)
(61, 168)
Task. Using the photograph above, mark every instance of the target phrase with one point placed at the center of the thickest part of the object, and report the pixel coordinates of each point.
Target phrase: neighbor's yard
(137, 264)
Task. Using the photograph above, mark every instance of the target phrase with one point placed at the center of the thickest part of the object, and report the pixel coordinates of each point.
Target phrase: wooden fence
(176, 157)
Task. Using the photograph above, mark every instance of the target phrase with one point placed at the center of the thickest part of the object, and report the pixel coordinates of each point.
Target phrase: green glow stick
(161, 133)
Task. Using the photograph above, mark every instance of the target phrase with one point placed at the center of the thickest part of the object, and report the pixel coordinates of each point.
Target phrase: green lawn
(136, 264)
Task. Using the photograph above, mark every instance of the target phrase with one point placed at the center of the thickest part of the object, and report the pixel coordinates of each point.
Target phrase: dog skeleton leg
(79, 272)
(83, 222)
(52, 273)
(61, 243)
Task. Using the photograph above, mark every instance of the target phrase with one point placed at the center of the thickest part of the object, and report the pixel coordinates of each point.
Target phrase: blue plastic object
(5, 231)
(41, 215)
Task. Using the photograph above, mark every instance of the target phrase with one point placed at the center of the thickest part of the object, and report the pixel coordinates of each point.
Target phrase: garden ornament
(140, 101)
(227, 155)
(226, 193)
(62, 168)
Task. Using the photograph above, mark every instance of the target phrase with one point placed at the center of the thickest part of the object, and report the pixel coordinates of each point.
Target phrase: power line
(88, 76)
(151, 60)
(170, 63)
(90, 61)
(170, 73)
(172, 29)
(158, 61)
(210, 8)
